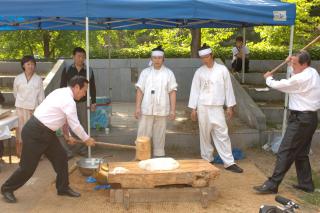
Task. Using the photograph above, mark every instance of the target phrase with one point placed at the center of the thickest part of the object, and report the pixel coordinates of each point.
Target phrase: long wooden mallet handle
(278, 67)
(306, 47)
(112, 145)
(311, 43)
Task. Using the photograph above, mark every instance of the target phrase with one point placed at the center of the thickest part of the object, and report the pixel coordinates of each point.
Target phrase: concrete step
(257, 78)
(261, 65)
(264, 71)
(7, 80)
(15, 73)
(274, 111)
(14, 68)
(6, 89)
(274, 114)
(182, 134)
(282, 70)
(9, 98)
(267, 94)
(183, 141)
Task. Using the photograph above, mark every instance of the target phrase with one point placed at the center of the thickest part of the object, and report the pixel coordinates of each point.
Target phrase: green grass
(313, 198)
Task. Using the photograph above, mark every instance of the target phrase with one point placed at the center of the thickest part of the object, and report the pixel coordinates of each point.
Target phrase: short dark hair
(78, 50)
(203, 47)
(78, 80)
(239, 38)
(303, 57)
(158, 48)
(26, 59)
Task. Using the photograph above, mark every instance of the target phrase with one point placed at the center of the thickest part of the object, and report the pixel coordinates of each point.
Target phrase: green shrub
(258, 51)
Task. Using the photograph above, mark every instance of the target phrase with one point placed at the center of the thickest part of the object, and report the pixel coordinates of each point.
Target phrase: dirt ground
(265, 162)
(235, 192)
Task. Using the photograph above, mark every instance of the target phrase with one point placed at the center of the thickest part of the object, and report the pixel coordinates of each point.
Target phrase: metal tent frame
(142, 14)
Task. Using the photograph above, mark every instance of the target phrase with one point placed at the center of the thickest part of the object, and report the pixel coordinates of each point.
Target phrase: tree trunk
(46, 44)
(195, 42)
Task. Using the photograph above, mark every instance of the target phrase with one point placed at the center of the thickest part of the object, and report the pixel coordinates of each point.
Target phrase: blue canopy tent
(143, 14)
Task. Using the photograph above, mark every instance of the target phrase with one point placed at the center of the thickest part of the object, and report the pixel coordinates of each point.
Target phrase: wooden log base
(173, 194)
(195, 173)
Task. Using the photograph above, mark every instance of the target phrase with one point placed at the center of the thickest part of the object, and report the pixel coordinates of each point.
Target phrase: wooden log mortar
(195, 173)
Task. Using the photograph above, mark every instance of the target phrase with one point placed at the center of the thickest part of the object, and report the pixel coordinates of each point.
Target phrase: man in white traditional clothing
(155, 101)
(212, 89)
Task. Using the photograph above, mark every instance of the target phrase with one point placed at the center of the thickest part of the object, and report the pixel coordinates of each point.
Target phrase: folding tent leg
(88, 77)
(284, 122)
(243, 54)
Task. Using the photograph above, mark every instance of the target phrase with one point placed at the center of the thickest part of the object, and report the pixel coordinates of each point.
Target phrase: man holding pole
(304, 101)
(40, 138)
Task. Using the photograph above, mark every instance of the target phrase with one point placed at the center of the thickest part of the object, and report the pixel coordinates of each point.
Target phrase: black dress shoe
(234, 168)
(267, 188)
(8, 196)
(69, 192)
(303, 188)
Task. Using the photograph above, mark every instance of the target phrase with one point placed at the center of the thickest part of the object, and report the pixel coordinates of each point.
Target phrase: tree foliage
(305, 27)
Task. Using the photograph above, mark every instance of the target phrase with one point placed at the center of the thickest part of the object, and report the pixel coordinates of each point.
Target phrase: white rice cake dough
(159, 164)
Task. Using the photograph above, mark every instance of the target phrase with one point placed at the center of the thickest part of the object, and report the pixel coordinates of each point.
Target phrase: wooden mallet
(143, 147)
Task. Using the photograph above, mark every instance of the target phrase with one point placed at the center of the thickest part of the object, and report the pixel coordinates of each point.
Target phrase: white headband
(205, 52)
(157, 53)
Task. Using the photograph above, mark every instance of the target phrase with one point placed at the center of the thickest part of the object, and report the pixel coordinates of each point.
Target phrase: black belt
(41, 124)
(302, 112)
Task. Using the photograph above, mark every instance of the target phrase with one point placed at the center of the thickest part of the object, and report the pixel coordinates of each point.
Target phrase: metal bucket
(87, 166)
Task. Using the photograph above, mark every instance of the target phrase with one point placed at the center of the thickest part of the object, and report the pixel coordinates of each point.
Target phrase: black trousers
(237, 65)
(37, 140)
(295, 148)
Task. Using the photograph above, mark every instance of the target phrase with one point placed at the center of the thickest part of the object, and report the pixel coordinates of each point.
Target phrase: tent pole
(284, 123)
(88, 77)
(109, 66)
(243, 54)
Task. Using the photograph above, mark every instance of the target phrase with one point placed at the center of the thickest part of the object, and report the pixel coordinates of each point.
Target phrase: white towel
(5, 133)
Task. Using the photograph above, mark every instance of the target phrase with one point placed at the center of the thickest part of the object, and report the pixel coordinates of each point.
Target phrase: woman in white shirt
(28, 92)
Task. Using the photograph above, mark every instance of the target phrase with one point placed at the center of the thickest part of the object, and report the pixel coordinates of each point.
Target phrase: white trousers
(155, 128)
(212, 123)
(24, 115)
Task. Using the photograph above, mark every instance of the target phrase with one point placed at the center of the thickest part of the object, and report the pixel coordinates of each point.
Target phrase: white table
(6, 124)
